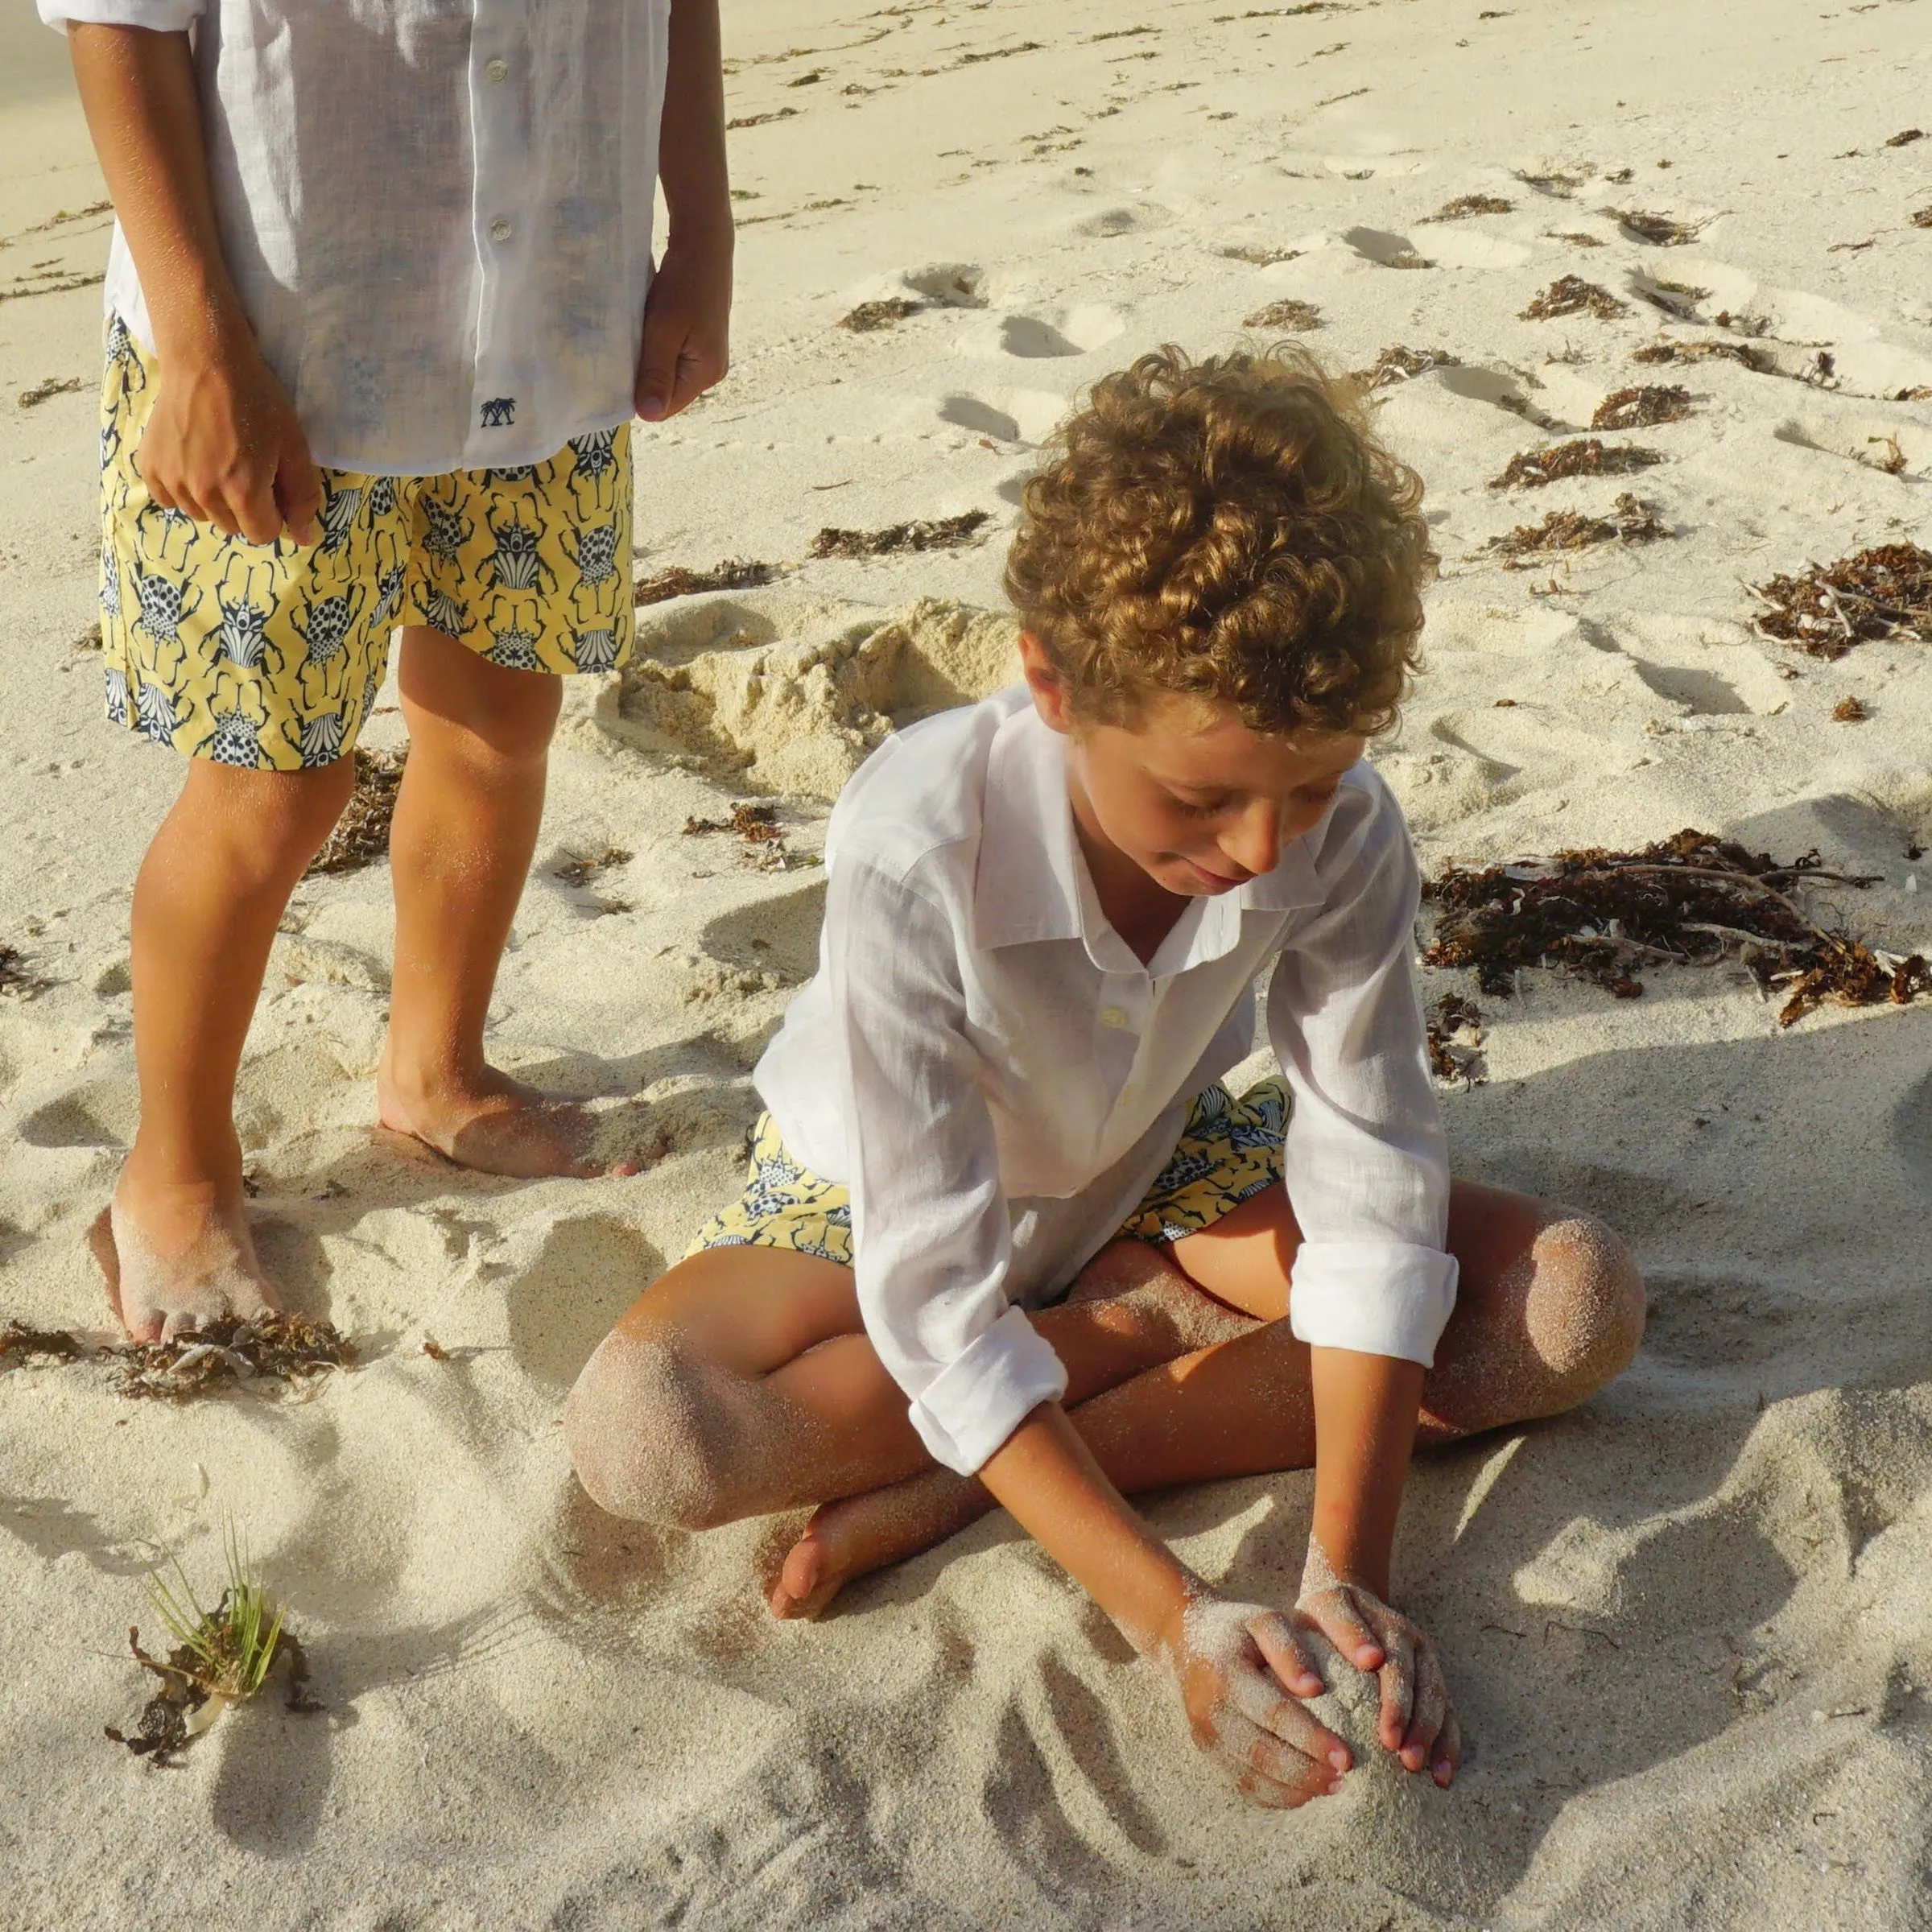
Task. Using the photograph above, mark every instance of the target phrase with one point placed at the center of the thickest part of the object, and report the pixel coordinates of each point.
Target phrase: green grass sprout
(234, 1643)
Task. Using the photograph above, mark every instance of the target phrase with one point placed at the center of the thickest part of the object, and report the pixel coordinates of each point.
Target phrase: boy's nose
(1256, 843)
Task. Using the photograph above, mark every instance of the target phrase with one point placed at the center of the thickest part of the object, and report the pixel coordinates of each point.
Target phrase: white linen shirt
(998, 1078)
(437, 213)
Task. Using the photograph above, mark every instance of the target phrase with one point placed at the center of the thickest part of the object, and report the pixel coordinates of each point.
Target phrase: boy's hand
(1240, 1673)
(687, 327)
(1418, 1721)
(223, 446)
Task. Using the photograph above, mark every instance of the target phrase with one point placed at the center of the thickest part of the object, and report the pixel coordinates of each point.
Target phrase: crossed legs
(742, 1382)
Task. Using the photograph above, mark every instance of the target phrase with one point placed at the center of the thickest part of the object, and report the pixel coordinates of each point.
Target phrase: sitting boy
(1044, 915)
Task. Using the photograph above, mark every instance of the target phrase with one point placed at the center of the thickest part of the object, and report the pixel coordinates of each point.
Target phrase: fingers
(1267, 1771)
(1430, 1710)
(1275, 1638)
(1334, 1613)
(251, 511)
(297, 493)
(1396, 1677)
(1257, 1698)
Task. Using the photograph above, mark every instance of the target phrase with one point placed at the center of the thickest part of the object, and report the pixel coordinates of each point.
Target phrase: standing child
(1044, 915)
(380, 306)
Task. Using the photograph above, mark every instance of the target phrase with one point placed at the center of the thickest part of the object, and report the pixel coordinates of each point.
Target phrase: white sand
(1689, 1628)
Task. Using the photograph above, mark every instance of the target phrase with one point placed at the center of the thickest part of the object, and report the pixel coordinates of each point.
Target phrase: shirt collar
(1032, 883)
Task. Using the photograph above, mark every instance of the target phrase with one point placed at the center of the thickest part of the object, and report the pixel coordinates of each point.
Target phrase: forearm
(1046, 1478)
(138, 89)
(1365, 1410)
(690, 139)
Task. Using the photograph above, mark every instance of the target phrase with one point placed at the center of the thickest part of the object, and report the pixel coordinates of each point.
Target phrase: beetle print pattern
(272, 656)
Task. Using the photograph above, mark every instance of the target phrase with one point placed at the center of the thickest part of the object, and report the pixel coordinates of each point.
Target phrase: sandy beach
(1689, 1626)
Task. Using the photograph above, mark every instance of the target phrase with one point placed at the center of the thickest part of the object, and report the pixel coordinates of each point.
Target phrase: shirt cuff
(1378, 1297)
(980, 1397)
(160, 16)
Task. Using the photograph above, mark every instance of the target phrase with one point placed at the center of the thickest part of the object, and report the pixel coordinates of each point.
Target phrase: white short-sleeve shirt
(998, 1078)
(437, 214)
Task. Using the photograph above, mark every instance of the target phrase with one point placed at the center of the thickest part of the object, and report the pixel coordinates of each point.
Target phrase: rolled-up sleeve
(161, 16)
(931, 1236)
(1364, 1160)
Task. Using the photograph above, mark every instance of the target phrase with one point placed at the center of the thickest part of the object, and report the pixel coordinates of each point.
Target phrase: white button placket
(500, 142)
(1121, 1030)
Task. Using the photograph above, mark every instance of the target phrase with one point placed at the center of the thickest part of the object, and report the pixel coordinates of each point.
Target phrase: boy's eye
(1196, 808)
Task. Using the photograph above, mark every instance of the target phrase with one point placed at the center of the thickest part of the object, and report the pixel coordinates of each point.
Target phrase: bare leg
(460, 845)
(173, 1244)
(1550, 1308)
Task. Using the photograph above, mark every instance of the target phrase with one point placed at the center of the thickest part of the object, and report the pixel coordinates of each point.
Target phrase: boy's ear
(1044, 681)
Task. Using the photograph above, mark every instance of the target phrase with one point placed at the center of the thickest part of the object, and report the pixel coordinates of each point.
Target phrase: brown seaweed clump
(17, 981)
(1849, 711)
(1398, 365)
(1905, 137)
(734, 573)
(20, 1344)
(1753, 359)
(1574, 237)
(361, 836)
(1464, 205)
(1642, 408)
(1455, 1030)
(941, 533)
(1922, 218)
(1587, 456)
(755, 824)
(1874, 596)
(1285, 314)
(1693, 899)
(1660, 231)
(274, 1347)
(580, 871)
(173, 1717)
(869, 316)
(1572, 295)
(1631, 520)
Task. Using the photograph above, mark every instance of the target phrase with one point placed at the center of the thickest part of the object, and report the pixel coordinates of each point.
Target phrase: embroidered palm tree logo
(499, 411)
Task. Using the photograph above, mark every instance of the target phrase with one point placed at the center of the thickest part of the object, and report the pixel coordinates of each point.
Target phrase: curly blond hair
(1229, 529)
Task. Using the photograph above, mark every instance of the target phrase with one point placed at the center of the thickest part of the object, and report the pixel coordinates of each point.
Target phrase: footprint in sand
(1137, 218)
(949, 284)
(1010, 415)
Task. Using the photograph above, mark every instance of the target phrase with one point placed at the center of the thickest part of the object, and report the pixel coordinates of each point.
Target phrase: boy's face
(1194, 798)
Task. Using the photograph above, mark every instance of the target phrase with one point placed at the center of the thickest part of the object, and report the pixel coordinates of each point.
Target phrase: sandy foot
(184, 1261)
(501, 1126)
(846, 1539)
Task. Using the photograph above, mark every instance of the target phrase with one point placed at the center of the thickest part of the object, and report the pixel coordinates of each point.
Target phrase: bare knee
(269, 823)
(657, 1433)
(1584, 1312)
(461, 707)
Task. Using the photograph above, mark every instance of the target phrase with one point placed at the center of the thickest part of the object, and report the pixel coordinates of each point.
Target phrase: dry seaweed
(361, 836)
(1630, 521)
(1678, 299)
(1588, 457)
(1871, 597)
(734, 573)
(870, 315)
(1905, 136)
(1451, 1057)
(1922, 218)
(16, 982)
(1398, 365)
(1661, 231)
(1464, 205)
(1574, 237)
(21, 1344)
(1563, 182)
(581, 871)
(776, 113)
(273, 1347)
(942, 532)
(1571, 295)
(54, 386)
(1849, 711)
(755, 824)
(1287, 313)
(1693, 899)
(1260, 253)
(1753, 359)
(1643, 407)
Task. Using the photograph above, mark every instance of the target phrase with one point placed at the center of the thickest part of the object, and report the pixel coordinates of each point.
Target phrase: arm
(687, 315)
(222, 444)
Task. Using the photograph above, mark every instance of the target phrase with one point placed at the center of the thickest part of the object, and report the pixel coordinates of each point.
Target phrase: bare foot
(1152, 1293)
(498, 1125)
(175, 1256)
(846, 1539)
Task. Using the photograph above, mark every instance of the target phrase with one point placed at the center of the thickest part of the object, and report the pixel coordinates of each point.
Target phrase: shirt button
(501, 229)
(498, 71)
(1114, 1016)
